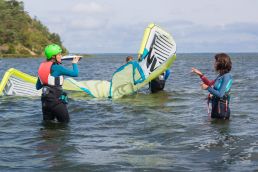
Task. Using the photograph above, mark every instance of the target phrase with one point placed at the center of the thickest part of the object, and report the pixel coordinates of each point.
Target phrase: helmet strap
(57, 62)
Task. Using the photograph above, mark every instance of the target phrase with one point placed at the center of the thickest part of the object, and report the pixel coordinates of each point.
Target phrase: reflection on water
(167, 131)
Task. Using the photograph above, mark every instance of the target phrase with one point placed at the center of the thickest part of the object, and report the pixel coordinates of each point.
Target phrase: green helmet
(52, 50)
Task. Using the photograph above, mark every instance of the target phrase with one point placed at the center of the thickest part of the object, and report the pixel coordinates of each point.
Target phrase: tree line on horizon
(20, 35)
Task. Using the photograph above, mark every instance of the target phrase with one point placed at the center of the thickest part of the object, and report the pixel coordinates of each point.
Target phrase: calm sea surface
(167, 131)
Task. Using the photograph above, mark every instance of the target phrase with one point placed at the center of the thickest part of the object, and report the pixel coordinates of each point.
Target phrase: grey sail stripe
(161, 53)
(165, 38)
(166, 42)
(159, 48)
(21, 84)
(160, 59)
(160, 56)
(21, 87)
(160, 43)
(25, 89)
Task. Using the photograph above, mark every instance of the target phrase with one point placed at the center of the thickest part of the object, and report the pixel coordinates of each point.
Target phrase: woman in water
(219, 89)
(50, 79)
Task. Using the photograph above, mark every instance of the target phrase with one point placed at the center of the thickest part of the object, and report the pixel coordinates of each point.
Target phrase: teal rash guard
(58, 70)
(221, 86)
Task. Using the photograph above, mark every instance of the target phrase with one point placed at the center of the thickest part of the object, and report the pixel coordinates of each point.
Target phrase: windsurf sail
(157, 53)
(18, 83)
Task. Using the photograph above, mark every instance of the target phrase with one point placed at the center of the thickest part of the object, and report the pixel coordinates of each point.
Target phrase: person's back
(158, 84)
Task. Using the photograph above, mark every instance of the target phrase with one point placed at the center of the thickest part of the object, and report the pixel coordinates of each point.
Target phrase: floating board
(70, 57)
(157, 53)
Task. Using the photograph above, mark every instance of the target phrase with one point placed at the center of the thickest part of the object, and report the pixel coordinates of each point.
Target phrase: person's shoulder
(57, 67)
(227, 75)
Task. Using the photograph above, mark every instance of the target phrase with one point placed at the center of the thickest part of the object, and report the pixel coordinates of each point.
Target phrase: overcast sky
(117, 26)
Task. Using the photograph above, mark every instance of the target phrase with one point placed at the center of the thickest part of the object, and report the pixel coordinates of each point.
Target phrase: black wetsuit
(158, 84)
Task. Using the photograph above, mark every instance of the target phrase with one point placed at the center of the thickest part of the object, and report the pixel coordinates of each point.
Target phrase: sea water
(167, 131)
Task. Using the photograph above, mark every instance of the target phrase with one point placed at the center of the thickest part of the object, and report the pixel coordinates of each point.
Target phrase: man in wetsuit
(50, 79)
(158, 83)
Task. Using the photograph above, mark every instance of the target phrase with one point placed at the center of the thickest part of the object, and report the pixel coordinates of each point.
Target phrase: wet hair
(222, 63)
(129, 58)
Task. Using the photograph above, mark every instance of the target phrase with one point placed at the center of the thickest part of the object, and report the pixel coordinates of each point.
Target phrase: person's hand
(76, 59)
(204, 86)
(196, 71)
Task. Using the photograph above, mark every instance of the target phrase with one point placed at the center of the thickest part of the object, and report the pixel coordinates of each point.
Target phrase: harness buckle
(45, 90)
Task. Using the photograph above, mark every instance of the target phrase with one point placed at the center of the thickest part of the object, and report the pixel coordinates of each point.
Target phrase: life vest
(44, 73)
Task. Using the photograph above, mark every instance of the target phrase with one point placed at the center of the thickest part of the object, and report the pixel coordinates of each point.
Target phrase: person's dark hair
(223, 63)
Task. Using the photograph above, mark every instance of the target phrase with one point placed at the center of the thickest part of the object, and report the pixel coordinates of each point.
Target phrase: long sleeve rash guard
(221, 84)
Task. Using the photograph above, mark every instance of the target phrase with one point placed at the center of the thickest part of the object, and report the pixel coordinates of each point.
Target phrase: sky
(117, 26)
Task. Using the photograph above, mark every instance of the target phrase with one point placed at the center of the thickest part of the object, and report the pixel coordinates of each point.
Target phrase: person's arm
(226, 82)
(38, 84)
(167, 73)
(67, 72)
(206, 81)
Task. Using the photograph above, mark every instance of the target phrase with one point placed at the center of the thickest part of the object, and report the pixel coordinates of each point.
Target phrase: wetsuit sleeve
(67, 72)
(167, 73)
(221, 92)
(206, 81)
(38, 85)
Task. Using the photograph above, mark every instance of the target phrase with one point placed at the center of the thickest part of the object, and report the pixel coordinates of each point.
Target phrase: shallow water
(167, 131)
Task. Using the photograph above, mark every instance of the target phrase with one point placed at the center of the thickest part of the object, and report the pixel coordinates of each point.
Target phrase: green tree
(20, 32)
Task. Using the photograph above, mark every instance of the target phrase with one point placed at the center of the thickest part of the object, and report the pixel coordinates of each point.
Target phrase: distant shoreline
(94, 54)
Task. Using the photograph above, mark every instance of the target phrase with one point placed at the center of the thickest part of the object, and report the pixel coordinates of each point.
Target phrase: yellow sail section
(18, 83)
(94, 88)
(124, 80)
(145, 38)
